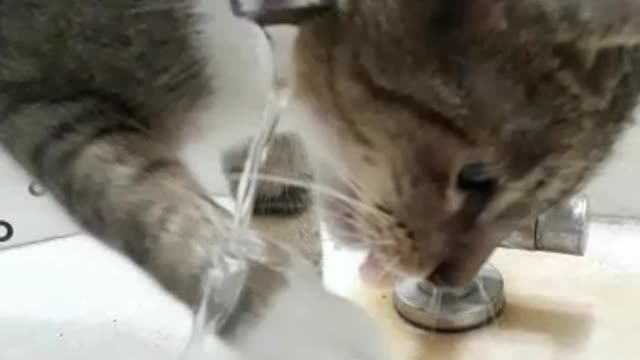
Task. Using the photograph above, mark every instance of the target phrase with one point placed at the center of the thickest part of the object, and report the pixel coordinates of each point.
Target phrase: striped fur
(96, 97)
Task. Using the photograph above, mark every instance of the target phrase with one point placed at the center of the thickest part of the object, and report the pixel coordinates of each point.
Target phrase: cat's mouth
(374, 272)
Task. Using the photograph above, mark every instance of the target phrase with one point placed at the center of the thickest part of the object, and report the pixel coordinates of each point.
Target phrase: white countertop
(74, 299)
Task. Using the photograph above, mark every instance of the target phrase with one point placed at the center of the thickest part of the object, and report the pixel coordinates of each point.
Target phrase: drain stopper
(451, 309)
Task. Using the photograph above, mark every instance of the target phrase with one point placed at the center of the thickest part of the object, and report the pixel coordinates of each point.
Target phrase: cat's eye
(477, 179)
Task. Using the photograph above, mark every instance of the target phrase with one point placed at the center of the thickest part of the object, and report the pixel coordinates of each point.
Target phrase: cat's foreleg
(122, 184)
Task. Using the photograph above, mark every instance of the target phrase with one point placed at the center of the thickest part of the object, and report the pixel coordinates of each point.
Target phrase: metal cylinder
(561, 229)
(451, 309)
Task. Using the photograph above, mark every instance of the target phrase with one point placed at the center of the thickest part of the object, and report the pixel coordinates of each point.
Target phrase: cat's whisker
(361, 239)
(348, 213)
(346, 200)
(360, 224)
(362, 234)
(349, 205)
(340, 173)
(356, 222)
(322, 190)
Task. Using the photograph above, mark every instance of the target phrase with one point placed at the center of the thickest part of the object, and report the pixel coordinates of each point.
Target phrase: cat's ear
(271, 12)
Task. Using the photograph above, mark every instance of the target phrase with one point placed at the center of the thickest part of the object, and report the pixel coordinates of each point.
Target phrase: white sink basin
(74, 299)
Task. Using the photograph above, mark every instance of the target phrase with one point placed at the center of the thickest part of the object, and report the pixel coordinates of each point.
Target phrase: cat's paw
(286, 159)
(307, 322)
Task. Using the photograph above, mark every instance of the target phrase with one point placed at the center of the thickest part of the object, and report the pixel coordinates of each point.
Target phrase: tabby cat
(449, 121)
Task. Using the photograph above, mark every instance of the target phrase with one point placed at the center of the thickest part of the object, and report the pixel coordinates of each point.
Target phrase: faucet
(561, 229)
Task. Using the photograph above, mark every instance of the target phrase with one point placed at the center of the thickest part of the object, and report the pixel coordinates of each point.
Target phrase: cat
(98, 102)
(449, 124)
(462, 120)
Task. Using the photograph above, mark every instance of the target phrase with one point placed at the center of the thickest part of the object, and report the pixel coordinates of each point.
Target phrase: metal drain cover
(451, 309)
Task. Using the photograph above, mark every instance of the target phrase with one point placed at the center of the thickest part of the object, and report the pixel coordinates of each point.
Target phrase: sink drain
(450, 310)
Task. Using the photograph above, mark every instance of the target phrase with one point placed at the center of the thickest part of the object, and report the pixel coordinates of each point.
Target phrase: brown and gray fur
(411, 91)
(89, 92)
(98, 99)
(94, 97)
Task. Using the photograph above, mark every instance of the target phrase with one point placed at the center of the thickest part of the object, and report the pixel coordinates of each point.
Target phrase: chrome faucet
(562, 229)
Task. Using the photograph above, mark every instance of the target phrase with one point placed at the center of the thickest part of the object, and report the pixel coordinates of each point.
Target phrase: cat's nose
(467, 253)
(451, 275)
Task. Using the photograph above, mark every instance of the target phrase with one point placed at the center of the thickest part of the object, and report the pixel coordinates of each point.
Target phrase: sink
(558, 307)
(75, 299)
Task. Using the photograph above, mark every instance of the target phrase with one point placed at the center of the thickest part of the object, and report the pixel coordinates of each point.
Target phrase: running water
(226, 278)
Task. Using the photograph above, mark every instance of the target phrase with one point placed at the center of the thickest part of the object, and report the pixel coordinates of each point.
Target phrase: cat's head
(454, 135)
